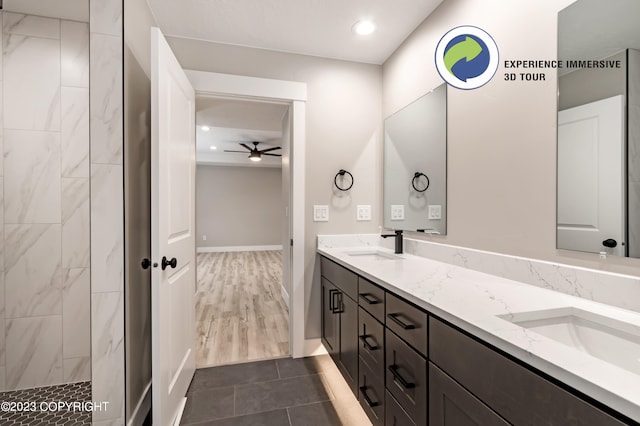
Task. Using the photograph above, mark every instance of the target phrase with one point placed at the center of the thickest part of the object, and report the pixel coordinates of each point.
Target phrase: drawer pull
(369, 298)
(370, 403)
(331, 293)
(335, 307)
(404, 325)
(366, 344)
(396, 375)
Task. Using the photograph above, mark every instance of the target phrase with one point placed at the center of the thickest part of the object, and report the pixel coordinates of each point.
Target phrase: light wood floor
(240, 314)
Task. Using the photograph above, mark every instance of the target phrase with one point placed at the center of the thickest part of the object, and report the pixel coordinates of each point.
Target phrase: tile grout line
(288, 416)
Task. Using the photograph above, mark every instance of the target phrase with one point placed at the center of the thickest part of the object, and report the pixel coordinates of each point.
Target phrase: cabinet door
(349, 340)
(330, 318)
(451, 405)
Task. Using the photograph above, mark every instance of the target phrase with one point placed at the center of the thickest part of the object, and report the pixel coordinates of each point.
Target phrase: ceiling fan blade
(246, 146)
(241, 152)
(273, 155)
(270, 149)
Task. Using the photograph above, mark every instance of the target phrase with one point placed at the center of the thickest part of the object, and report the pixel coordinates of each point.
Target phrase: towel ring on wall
(341, 173)
(416, 177)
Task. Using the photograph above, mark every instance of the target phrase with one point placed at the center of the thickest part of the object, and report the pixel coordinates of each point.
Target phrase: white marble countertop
(473, 300)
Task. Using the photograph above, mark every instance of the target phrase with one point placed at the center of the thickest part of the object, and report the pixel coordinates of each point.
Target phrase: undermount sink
(610, 340)
(374, 254)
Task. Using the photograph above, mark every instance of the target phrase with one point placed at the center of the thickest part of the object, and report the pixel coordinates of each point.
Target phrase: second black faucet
(398, 237)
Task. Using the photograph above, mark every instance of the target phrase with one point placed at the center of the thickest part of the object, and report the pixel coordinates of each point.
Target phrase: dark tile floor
(282, 392)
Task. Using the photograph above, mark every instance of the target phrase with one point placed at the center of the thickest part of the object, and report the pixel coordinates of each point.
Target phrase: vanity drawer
(371, 342)
(371, 393)
(517, 394)
(341, 277)
(406, 375)
(394, 415)
(371, 298)
(408, 322)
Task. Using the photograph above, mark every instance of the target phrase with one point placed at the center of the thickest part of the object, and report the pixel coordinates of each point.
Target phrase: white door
(591, 176)
(172, 232)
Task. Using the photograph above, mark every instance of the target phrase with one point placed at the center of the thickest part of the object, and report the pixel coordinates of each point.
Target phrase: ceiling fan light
(255, 156)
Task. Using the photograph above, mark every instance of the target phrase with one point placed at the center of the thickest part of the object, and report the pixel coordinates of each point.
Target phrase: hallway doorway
(242, 199)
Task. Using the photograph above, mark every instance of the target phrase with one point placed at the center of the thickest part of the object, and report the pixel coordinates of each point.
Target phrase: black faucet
(398, 237)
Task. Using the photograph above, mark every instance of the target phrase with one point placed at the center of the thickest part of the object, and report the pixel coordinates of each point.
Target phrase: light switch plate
(363, 212)
(435, 212)
(321, 213)
(397, 212)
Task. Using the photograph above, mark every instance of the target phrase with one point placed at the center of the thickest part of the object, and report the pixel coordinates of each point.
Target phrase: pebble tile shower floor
(74, 392)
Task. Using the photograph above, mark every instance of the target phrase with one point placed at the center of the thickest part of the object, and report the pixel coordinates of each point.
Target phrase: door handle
(145, 263)
(370, 403)
(611, 243)
(396, 376)
(173, 263)
(404, 325)
(369, 299)
(366, 344)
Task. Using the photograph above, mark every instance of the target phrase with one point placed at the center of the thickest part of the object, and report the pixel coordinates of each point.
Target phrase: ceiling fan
(256, 154)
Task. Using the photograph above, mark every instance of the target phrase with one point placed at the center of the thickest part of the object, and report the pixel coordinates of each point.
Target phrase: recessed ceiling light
(363, 27)
(205, 128)
(212, 148)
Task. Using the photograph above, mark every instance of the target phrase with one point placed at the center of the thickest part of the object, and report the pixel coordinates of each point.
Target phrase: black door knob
(611, 243)
(145, 263)
(173, 262)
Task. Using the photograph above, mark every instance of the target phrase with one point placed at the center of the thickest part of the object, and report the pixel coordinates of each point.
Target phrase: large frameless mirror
(415, 165)
(599, 128)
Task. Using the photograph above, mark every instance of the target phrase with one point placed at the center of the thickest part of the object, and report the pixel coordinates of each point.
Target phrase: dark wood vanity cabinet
(513, 391)
(410, 368)
(340, 318)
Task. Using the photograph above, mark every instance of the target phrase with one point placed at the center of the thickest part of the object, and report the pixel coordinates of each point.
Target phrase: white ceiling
(75, 10)
(234, 121)
(311, 27)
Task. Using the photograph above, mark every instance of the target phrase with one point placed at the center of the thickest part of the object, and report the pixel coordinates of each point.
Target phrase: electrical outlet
(397, 212)
(321, 213)
(435, 212)
(363, 212)
(204, 238)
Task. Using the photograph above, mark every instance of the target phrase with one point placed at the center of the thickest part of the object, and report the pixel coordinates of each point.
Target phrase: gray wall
(584, 86)
(343, 131)
(238, 206)
(501, 188)
(44, 202)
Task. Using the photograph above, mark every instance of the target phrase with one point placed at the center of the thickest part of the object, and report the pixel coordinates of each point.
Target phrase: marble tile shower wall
(44, 199)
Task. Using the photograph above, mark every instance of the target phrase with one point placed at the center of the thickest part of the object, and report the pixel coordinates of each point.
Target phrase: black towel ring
(341, 173)
(417, 176)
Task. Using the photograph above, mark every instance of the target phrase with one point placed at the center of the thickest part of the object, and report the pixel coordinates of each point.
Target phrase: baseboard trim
(142, 409)
(183, 403)
(285, 295)
(314, 347)
(237, 248)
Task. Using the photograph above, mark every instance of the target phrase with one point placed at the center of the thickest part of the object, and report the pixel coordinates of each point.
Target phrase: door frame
(295, 94)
